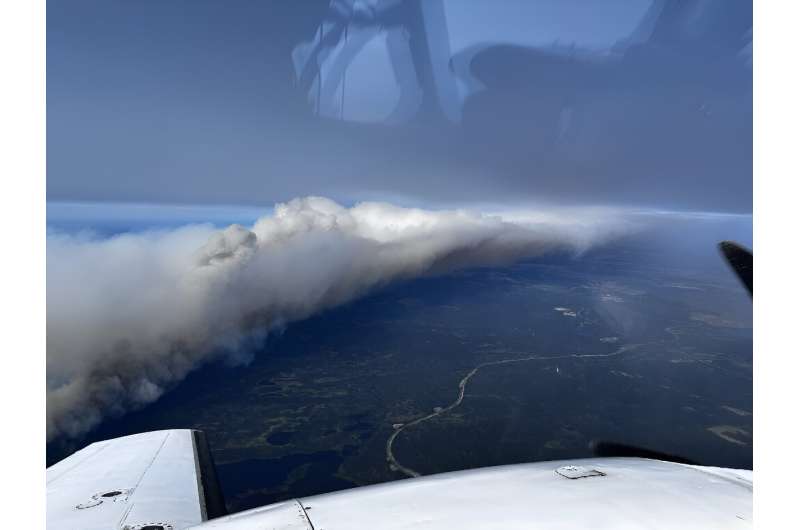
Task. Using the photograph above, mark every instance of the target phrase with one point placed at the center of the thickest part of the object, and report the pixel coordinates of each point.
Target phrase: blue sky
(624, 102)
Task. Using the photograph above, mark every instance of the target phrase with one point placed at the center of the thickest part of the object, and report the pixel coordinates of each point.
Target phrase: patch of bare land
(567, 312)
(620, 373)
(730, 432)
(738, 412)
(718, 321)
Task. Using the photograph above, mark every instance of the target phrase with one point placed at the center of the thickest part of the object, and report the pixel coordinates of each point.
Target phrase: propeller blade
(741, 261)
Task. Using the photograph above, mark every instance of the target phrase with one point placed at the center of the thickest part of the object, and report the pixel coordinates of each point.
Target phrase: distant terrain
(608, 346)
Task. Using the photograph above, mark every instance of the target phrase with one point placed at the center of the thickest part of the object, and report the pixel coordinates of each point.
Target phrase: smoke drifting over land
(129, 315)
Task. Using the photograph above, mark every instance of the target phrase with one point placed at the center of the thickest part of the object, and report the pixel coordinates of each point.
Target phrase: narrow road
(395, 465)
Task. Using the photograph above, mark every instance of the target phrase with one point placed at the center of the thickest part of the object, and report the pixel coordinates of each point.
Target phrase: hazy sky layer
(623, 102)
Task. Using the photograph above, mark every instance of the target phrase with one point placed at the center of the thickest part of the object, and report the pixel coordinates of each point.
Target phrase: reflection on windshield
(662, 94)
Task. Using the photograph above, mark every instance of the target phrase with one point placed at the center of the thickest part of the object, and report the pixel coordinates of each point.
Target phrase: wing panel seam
(305, 514)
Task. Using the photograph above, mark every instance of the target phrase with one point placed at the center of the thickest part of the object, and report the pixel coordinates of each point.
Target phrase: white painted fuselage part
(127, 483)
(595, 493)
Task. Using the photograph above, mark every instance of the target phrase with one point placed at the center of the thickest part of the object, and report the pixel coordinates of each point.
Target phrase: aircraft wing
(164, 480)
(161, 480)
(588, 493)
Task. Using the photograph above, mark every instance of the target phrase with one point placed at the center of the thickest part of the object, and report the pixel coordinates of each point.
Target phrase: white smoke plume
(129, 315)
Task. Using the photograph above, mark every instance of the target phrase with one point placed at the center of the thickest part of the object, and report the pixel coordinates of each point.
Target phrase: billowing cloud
(129, 315)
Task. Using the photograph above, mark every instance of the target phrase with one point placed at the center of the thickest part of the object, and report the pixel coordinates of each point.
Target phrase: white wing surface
(165, 481)
(600, 493)
(155, 480)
